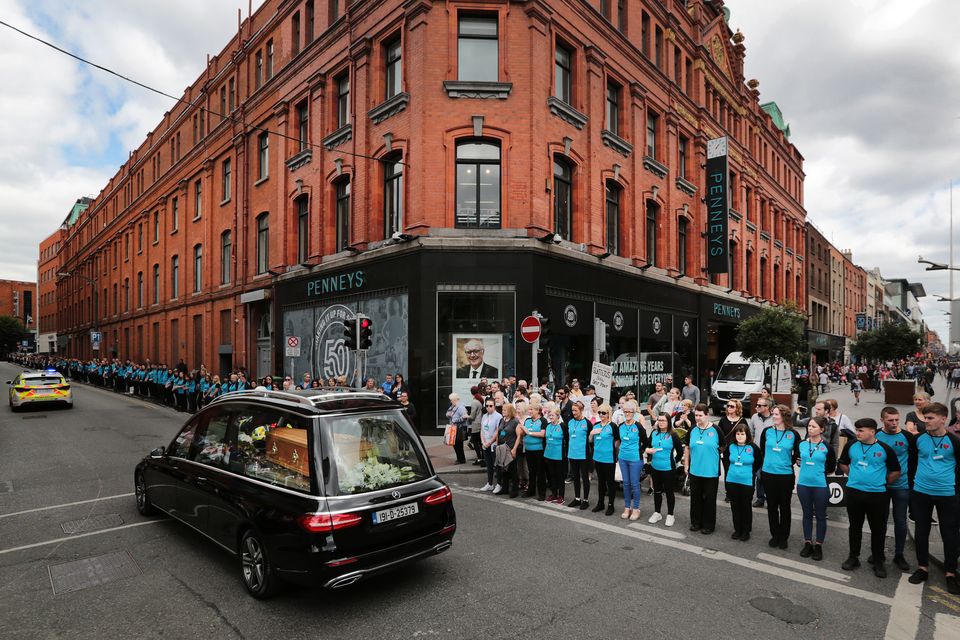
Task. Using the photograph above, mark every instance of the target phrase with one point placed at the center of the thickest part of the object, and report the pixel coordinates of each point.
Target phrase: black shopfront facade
(432, 307)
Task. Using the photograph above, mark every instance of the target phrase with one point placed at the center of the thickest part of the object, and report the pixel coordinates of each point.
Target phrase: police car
(39, 387)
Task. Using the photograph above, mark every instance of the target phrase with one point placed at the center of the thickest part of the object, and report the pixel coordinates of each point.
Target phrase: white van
(739, 377)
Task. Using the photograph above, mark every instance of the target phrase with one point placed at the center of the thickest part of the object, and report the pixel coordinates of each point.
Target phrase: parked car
(39, 387)
(310, 487)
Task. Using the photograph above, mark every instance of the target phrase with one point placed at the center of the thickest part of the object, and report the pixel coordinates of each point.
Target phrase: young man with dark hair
(902, 443)
(935, 478)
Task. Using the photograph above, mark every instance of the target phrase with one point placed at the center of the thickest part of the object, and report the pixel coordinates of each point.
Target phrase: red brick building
(17, 299)
(854, 294)
(446, 168)
(48, 266)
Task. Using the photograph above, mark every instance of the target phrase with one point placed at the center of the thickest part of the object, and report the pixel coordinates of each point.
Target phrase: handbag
(450, 435)
(617, 475)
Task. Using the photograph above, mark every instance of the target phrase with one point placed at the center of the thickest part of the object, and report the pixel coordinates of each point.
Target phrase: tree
(774, 334)
(12, 332)
(889, 341)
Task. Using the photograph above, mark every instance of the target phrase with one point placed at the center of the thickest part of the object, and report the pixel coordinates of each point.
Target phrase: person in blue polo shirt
(701, 457)
(553, 459)
(741, 460)
(578, 430)
(665, 451)
(817, 459)
(633, 442)
(872, 466)
(604, 437)
(534, 432)
(901, 442)
(780, 446)
(935, 483)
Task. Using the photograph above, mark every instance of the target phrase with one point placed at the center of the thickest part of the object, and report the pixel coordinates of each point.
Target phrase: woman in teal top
(578, 430)
(534, 431)
(741, 460)
(633, 441)
(780, 445)
(553, 457)
(817, 459)
(665, 451)
(604, 436)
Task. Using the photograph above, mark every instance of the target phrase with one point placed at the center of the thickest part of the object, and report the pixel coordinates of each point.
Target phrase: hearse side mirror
(158, 452)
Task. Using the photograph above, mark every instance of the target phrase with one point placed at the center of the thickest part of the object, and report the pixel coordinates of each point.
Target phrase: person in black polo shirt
(872, 466)
(936, 477)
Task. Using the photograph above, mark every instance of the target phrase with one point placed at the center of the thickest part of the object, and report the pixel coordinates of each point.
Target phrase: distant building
(17, 300)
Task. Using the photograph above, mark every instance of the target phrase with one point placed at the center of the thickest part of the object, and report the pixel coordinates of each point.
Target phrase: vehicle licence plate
(42, 392)
(395, 513)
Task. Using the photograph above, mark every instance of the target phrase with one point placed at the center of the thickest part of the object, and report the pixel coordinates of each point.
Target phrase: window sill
(302, 158)
(482, 90)
(223, 202)
(261, 181)
(389, 107)
(751, 227)
(174, 231)
(764, 235)
(565, 112)
(778, 244)
(654, 167)
(735, 215)
(338, 137)
(195, 218)
(686, 186)
(615, 142)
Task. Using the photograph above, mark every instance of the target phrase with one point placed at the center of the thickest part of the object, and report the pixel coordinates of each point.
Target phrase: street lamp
(936, 266)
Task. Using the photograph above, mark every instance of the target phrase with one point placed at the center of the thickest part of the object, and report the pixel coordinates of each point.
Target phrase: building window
(197, 199)
(613, 108)
(478, 185)
(563, 73)
(343, 214)
(343, 100)
(682, 148)
(263, 243)
(747, 197)
(126, 247)
(303, 125)
(653, 215)
(197, 268)
(652, 123)
(562, 198)
(677, 65)
(126, 295)
(140, 289)
(334, 10)
(303, 229)
(748, 271)
(174, 215)
(263, 156)
(613, 217)
(622, 16)
(393, 195)
(645, 34)
(140, 238)
(269, 59)
(688, 76)
(225, 180)
(231, 94)
(658, 48)
(226, 256)
(116, 301)
(682, 246)
(156, 284)
(174, 277)
(308, 16)
(392, 80)
(258, 70)
(295, 32)
(223, 103)
(478, 51)
(763, 277)
(732, 265)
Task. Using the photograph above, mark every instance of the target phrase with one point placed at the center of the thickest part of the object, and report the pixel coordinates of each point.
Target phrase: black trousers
(948, 515)
(741, 496)
(458, 445)
(779, 490)
(580, 471)
(606, 485)
(537, 484)
(508, 479)
(555, 476)
(703, 502)
(871, 506)
(663, 483)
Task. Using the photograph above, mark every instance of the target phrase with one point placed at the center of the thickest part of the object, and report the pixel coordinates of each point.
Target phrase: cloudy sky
(869, 88)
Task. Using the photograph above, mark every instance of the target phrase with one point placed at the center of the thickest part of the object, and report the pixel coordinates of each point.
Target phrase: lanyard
(701, 431)
(864, 450)
(937, 444)
(662, 438)
(813, 448)
(742, 450)
(783, 434)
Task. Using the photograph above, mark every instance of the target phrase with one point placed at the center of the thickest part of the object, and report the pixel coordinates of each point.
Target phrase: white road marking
(947, 627)
(658, 531)
(905, 613)
(64, 505)
(690, 548)
(79, 535)
(805, 567)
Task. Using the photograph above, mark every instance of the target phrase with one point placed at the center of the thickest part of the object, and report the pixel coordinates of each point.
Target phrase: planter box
(899, 391)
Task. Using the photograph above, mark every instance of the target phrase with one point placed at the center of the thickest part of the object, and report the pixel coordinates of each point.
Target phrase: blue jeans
(761, 494)
(901, 500)
(630, 470)
(814, 500)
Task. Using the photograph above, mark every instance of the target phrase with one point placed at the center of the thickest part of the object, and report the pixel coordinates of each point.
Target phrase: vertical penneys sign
(718, 199)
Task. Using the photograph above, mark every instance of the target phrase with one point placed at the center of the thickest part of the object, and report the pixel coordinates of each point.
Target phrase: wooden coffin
(288, 448)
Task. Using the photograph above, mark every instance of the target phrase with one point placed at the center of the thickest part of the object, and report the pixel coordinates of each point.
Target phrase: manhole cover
(34, 417)
(90, 572)
(92, 523)
(782, 609)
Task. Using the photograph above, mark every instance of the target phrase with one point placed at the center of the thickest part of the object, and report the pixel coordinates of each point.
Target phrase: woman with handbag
(665, 451)
(741, 460)
(604, 437)
(633, 440)
(577, 452)
(456, 419)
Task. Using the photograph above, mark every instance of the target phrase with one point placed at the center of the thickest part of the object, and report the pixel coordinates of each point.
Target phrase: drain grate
(34, 418)
(93, 523)
(91, 572)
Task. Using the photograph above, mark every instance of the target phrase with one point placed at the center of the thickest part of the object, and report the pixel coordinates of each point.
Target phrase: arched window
(563, 197)
(342, 187)
(613, 196)
(263, 243)
(478, 185)
(392, 194)
(653, 221)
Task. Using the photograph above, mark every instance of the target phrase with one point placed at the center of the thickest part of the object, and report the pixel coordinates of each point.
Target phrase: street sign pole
(533, 365)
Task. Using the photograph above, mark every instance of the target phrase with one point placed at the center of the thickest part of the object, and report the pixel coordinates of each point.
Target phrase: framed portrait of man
(475, 356)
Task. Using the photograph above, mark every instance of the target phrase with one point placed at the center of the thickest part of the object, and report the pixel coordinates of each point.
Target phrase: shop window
(478, 185)
(393, 195)
(478, 51)
(562, 198)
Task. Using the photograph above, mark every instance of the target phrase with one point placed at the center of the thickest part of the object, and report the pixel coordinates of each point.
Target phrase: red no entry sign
(293, 341)
(530, 329)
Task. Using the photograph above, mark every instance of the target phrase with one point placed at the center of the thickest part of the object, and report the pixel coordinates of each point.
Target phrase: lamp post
(93, 286)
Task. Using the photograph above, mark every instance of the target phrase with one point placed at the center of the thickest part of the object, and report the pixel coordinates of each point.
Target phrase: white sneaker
(497, 489)
(486, 487)
(669, 521)
(655, 518)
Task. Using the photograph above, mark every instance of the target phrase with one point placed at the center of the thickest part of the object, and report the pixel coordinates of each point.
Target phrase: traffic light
(350, 333)
(366, 333)
(607, 344)
(544, 332)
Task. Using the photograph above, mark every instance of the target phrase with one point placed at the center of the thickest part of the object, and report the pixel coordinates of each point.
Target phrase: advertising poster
(475, 356)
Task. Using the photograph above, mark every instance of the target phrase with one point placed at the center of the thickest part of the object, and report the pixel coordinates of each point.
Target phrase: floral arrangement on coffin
(370, 474)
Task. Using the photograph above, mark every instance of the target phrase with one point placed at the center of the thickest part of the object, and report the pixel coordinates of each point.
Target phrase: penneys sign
(336, 284)
(717, 200)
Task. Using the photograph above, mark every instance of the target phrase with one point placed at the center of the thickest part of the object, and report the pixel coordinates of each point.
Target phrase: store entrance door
(721, 341)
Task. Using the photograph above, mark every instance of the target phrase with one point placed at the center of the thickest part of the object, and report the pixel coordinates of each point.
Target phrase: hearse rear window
(374, 452)
(273, 447)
